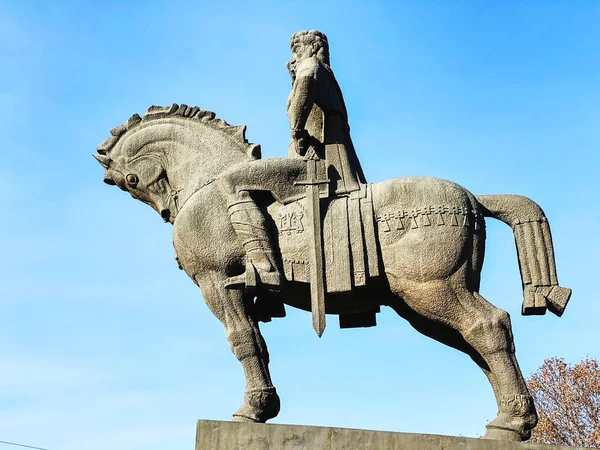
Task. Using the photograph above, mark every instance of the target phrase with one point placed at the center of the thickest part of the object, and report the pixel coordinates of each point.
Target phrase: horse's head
(138, 168)
(165, 156)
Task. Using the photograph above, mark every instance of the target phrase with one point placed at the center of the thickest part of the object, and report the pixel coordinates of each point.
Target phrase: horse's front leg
(235, 311)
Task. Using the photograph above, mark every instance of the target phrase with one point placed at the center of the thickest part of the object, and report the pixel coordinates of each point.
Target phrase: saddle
(349, 245)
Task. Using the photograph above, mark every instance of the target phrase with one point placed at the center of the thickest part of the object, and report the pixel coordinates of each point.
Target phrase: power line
(21, 445)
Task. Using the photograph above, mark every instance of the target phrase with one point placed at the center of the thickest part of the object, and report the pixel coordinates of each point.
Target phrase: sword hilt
(311, 183)
(312, 160)
(311, 154)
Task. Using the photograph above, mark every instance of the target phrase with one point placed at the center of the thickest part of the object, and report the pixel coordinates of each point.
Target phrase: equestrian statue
(308, 231)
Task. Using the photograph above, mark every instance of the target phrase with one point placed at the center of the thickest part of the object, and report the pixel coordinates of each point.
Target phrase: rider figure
(317, 112)
(318, 118)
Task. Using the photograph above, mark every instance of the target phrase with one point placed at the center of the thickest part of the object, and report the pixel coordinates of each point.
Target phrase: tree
(567, 398)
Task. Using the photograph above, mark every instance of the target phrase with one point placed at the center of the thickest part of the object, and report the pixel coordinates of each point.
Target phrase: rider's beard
(292, 71)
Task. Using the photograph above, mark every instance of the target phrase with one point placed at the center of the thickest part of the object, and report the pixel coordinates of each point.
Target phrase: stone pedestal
(215, 435)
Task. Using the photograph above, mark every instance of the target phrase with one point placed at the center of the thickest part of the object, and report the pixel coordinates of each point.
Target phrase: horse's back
(419, 192)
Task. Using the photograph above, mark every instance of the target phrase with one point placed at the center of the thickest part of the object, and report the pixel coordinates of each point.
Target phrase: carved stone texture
(246, 233)
(213, 435)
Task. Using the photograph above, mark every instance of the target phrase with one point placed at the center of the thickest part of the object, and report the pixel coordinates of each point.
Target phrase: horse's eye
(132, 180)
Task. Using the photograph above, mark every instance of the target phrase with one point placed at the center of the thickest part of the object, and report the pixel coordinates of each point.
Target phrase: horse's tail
(534, 249)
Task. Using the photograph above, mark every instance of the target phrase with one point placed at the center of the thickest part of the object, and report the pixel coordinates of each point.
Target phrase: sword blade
(317, 281)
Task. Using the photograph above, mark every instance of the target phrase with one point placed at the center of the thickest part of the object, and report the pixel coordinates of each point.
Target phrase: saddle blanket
(349, 241)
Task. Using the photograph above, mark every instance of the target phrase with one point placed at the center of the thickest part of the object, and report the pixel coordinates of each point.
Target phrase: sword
(317, 274)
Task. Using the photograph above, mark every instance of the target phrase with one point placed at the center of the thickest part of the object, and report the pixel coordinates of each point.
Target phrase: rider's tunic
(316, 104)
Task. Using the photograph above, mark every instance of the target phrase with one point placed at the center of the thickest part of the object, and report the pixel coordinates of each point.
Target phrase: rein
(202, 186)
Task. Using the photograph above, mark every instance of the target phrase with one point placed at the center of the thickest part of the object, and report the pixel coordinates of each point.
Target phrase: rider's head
(305, 44)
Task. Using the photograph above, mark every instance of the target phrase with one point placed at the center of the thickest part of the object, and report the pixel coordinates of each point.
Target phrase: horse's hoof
(239, 416)
(259, 406)
(504, 435)
(507, 428)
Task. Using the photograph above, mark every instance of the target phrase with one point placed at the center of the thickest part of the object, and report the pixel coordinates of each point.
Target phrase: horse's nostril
(165, 214)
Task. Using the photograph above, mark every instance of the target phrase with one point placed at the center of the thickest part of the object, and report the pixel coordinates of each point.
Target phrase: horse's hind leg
(490, 334)
(478, 328)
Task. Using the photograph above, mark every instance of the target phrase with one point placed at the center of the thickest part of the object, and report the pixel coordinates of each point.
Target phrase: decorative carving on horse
(249, 231)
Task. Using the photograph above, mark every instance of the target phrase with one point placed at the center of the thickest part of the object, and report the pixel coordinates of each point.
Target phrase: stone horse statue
(413, 244)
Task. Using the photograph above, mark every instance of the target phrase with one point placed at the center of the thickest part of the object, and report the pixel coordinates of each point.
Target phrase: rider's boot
(249, 223)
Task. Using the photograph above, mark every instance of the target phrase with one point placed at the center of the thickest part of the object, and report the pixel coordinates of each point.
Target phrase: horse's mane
(185, 112)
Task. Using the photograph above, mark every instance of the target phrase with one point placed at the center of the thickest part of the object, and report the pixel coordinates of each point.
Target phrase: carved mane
(185, 112)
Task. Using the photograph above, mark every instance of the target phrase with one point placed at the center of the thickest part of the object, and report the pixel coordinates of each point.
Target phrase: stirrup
(253, 277)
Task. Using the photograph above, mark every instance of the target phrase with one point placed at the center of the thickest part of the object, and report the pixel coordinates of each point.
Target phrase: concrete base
(215, 435)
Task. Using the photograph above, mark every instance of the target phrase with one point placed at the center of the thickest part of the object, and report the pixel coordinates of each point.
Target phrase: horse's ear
(103, 160)
(254, 151)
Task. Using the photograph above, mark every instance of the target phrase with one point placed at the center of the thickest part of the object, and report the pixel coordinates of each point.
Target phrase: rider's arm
(303, 96)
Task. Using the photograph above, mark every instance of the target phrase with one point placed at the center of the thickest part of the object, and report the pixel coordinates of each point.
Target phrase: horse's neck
(188, 175)
(189, 170)
(203, 229)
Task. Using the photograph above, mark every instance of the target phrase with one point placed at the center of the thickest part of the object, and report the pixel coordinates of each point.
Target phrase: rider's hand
(301, 140)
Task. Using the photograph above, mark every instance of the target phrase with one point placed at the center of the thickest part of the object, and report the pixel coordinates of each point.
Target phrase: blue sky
(104, 343)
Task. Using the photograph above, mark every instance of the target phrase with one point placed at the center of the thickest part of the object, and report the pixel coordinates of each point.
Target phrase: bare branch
(567, 398)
